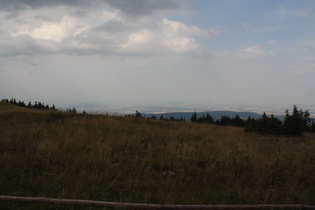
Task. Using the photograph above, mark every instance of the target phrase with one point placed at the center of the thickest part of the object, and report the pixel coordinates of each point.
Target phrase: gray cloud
(137, 8)
(42, 18)
(23, 45)
(134, 8)
(29, 31)
(113, 26)
(10, 5)
(102, 27)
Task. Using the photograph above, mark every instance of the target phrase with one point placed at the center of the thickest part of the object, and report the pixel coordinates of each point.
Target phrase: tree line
(139, 115)
(36, 105)
(294, 124)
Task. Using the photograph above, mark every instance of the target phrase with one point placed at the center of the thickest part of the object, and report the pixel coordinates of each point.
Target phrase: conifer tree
(138, 114)
(296, 123)
(193, 117)
(29, 105)
(208, 118)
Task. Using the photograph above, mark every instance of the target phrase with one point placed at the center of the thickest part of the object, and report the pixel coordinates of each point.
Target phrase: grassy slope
(62, 155)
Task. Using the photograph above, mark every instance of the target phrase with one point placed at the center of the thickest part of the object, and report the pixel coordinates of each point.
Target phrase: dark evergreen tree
(296, 123)
(306, 120)
(138, 114)
(265, 125)
(312, 126)
(251, 125)
(225, 120)
(201, 119)
(172, 118)
(274, 125)
(208, 118)
(21, 103)
(13, 101)
(237, 121)
(29, 105)
(193, 117)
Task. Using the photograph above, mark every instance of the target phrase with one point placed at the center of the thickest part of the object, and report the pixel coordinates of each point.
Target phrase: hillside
(100, 157)
(6, 107)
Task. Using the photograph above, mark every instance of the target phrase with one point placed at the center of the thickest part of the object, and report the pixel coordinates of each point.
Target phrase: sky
(163, 55)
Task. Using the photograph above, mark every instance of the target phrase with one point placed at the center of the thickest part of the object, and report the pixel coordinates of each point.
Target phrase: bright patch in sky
(191, 54)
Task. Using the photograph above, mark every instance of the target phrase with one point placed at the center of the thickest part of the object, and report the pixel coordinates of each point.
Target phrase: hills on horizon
(216, 115)
(181, 114)
(186, 111)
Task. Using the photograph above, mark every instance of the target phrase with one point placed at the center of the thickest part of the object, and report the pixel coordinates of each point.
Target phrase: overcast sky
(194, 54)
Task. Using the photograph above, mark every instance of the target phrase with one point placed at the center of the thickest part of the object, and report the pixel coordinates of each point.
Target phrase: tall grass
(99, 157)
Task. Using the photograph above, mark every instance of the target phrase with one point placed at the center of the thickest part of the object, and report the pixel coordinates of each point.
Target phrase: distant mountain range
(216, 115)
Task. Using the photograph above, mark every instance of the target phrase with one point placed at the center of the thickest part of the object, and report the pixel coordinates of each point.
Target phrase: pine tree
(312, 126)
(138, 114)
(274, 125)
(29, 105)
(172, 118)
(193, 117)
(237, 121)
(296, 123)
(208, 118)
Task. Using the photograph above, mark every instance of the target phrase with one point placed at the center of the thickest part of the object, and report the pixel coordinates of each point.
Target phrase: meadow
(127, 159)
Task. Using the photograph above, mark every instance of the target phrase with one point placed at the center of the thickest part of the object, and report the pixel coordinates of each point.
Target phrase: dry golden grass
(100, 157)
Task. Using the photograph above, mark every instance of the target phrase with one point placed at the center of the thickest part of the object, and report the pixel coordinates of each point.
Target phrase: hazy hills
(216, 115)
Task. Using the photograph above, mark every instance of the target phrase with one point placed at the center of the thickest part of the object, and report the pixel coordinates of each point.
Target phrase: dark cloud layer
(23, 4)
(22, 45)
(134, 8)
(143, 7)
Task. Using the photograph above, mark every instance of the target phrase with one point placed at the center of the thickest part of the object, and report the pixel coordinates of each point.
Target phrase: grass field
(100, 157)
